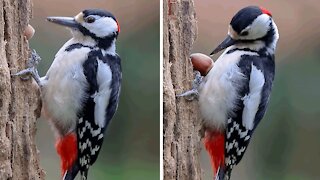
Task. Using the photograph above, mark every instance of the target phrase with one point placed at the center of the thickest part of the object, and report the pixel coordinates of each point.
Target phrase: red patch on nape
(118, 27)
(214, 144)
(67, 149)
(265, 11)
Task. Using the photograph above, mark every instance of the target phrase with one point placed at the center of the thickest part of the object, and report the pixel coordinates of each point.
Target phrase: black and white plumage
(80, 91)
(104, 75)
(234, 95)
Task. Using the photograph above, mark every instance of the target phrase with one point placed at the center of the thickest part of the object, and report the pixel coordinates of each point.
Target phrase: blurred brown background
(286, 144)
(131, 147)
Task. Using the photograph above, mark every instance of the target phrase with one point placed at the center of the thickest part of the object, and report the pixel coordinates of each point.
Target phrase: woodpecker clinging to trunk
(80, 91)
(234, 94)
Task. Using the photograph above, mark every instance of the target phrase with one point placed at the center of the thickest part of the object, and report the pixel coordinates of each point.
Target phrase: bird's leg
(193, 93)
(31, 68)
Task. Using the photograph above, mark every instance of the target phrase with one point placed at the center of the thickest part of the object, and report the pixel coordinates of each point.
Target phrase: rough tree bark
(19, 100)
(182, 126)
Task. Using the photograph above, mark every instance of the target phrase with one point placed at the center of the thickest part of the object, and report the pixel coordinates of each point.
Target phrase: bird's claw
(193, 93)
(34, 59)
(31, 68)
(197, 80)
(190, 95)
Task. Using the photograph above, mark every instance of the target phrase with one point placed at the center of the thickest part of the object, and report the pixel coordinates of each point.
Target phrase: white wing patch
(252, 100)
(101, 98)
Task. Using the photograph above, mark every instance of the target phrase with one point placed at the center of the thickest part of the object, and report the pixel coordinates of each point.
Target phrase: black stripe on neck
(262, 52)
(241, 49)
(76, 46)
(104, 42)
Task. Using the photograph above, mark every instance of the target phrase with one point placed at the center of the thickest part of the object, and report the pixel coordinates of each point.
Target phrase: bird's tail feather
(72, 173)
(84, 174)
(220, 174)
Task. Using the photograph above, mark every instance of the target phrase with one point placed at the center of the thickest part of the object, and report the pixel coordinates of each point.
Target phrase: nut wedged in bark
(201, 63)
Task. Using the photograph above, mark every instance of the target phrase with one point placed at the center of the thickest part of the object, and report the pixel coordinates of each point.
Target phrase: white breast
(65, 87)
(218, 92)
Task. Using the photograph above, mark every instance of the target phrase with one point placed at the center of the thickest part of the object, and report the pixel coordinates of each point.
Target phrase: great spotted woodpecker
(234, 94)
(80, 91)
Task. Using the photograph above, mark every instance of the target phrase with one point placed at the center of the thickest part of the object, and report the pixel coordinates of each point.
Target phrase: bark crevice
(182, 125)
(19, 100)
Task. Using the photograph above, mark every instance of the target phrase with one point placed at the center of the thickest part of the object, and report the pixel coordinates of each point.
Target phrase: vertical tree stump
(182, 125)
(19, 100)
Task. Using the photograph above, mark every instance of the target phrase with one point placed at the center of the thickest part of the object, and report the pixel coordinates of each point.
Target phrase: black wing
(90, 132)
(237, 134)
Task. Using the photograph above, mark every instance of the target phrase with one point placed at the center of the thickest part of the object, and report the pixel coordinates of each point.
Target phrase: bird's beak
(64, 21)
(226, 43)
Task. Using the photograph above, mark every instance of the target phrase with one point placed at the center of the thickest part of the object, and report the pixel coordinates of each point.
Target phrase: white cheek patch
(259, 27)
(276, 37)
(102, 27)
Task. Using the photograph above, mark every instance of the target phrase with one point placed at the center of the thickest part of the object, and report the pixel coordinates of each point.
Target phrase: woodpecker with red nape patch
(80, 91)
(234, 94)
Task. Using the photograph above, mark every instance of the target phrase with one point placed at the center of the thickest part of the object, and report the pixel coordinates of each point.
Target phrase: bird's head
(98, 24)
(250, 24)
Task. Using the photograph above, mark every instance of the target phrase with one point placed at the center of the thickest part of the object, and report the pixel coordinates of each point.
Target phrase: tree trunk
(19, 100)
(182, 125)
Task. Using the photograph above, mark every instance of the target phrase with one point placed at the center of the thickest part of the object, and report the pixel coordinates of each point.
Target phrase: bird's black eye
(244, 33)
(89, 19)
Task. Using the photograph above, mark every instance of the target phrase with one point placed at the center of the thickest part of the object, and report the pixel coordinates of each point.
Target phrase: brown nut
(29, 32)
(201, 63)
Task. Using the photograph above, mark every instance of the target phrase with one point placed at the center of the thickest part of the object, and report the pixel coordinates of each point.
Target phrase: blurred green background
(131, 147)
(286, 144)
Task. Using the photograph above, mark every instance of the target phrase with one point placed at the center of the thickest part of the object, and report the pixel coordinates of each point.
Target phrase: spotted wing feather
(241, 123)
(99, 107)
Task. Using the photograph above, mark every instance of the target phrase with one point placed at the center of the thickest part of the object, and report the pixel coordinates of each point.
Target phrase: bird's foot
(197, 80)
(190, 95)
(31, 68)
(193, 93)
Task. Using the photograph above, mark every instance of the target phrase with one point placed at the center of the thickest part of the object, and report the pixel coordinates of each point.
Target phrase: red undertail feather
(66, 147)
(214, 144)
